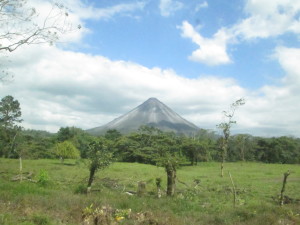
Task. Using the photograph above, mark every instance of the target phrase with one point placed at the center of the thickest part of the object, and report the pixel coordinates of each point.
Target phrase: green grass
(211, 202)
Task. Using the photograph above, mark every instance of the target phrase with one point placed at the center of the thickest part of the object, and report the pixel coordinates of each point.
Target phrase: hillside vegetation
(53, 196)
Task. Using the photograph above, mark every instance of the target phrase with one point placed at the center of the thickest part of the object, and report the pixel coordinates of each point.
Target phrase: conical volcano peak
(150, 105)
(150, 113)
(152, 101)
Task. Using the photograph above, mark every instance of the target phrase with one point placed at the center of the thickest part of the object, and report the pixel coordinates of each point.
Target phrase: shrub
(43, 178)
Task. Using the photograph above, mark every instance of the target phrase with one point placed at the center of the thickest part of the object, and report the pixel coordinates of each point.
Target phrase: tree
(112, 135)
(66, 150)
(21, 24)
(225, 127)
(241, 147)
(99, 156)
(168, 156)
(10, 113)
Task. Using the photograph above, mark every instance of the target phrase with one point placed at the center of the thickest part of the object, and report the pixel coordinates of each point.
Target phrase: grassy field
(56, 199)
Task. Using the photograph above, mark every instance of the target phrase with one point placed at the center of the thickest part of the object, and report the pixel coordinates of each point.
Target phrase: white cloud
(89, 12)
(63, 88)
(168, 7)
(275, 109)
(264, 19)
(201, 6)
(211, 51)
(269, 18)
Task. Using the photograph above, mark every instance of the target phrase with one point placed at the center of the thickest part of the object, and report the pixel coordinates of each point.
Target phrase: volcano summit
(151, 113)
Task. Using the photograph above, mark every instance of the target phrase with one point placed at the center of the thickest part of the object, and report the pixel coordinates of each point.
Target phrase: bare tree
(22, 24)
(225, 127)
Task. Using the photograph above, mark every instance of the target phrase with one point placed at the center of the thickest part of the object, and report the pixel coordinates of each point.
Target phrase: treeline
(146, 144)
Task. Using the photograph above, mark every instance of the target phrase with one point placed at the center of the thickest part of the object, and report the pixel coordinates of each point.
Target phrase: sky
(195, 56)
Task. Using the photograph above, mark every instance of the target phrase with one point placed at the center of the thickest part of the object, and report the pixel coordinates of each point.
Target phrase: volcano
(150, 113)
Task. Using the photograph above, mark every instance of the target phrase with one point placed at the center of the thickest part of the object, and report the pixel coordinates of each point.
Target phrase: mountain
(151, 113)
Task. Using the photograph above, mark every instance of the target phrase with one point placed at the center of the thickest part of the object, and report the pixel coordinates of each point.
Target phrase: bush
(43, 178)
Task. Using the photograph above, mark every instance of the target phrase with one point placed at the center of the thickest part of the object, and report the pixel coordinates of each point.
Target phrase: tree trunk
(21, 169)
(92, 174)
(141, 188)
(171, 185)
(222, 169)
(158, 185)
(285, 176)
(224, 153)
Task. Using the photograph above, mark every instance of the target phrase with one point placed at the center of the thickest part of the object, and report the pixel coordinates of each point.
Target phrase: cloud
(168, 7)
(89, 12)
(63, 88)
(212, 51)
(264, 19)
(201, 6)
(274, 109)
(269, 18)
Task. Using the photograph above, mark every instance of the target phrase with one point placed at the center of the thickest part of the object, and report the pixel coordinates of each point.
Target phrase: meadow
(202, 196)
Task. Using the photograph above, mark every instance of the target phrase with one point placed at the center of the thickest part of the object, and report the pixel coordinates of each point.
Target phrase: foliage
(99, 156)
(43, 178)
(112, 135)
(10, 113)
(77, 136)
(66, 150)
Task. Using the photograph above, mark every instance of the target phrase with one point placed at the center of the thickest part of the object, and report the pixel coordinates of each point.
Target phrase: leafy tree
(99, 156)
(241, 147)
(10, 113)
(36, 144)
(77, 136)
(66, 150)
(151, 145)
(225, 127)
(112, 135)
(278, 150)
(196, 149)
(64, 134)
(168, 156)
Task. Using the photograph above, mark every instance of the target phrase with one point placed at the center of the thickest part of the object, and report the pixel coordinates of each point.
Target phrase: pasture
(202, 196)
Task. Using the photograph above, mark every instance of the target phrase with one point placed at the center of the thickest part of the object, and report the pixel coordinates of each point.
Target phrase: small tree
(66, 150)
(10, 117)
(99, 156)
(168, 156)
(225, 127)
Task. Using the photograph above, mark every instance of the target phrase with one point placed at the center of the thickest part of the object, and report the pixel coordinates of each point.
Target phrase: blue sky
(195, 56)
(152, 38)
